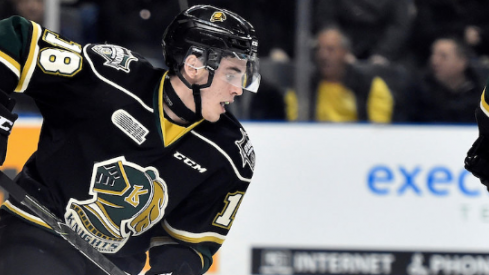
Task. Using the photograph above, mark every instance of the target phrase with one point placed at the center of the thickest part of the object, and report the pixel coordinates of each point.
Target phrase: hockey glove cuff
(7, 119)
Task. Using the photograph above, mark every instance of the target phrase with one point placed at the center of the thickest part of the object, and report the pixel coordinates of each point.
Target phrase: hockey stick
(59, 226)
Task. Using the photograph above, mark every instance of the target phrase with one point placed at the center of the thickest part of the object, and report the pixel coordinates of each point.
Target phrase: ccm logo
(189, 162)
(6, 124)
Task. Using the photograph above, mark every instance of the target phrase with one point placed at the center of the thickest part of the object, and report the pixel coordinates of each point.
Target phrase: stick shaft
(19, 194)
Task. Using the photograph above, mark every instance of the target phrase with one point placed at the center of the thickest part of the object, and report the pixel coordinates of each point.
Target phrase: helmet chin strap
(178, 107)
(197, 100)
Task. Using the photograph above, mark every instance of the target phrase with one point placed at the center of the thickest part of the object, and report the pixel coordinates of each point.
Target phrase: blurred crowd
(380, 61)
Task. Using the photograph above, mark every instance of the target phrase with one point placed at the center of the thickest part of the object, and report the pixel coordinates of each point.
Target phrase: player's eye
(230, 77)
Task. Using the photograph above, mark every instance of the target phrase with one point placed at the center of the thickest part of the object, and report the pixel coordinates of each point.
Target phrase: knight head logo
(218, 16)
(126, 200)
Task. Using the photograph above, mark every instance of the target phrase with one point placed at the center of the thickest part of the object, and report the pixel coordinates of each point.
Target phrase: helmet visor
(239, 70)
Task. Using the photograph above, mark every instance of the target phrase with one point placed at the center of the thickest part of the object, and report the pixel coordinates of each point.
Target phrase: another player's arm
(18, 43)
(195, 233)
(32, 54)
(477, 160)
(29, 53)
(16, 34)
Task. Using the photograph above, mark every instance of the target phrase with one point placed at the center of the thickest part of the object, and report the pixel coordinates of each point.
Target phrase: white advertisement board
(360, 187)
(350, 199)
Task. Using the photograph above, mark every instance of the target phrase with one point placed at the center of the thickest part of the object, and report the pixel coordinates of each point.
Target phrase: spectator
(30, 9)
(378, 28)
(343, 92)
(465, 19)
(449, 91)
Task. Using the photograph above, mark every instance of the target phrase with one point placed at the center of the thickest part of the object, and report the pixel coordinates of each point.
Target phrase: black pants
(26, 249)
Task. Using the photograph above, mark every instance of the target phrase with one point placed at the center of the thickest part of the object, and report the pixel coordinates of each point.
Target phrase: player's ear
(192, 67)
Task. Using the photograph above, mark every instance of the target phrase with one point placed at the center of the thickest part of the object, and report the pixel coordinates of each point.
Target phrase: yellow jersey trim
(189, 237)
(170, 131)
(30, 63)
(19, 212)
(484, 104)
(8, 61)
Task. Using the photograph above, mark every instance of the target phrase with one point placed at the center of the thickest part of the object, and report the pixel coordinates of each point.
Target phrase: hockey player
(133, 158)
(477, 160)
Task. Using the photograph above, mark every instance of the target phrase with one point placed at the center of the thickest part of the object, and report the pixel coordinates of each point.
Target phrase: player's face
(225, 86)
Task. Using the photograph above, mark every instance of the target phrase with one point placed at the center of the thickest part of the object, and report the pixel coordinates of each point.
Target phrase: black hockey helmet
(211, 34)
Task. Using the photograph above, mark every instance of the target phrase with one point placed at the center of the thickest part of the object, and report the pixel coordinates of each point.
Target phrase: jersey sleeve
(66, 79)
(18, 46)
(31, 55)
(45, 66)
(203, 220)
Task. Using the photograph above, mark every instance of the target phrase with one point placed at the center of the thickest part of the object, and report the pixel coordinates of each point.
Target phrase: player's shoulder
(229, 138)
(114, 63)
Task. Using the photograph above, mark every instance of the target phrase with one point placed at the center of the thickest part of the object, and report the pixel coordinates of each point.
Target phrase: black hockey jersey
(109, 162)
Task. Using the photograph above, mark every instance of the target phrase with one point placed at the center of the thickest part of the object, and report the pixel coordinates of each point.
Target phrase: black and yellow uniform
(110, 163)
(359, 97)
(477, 159)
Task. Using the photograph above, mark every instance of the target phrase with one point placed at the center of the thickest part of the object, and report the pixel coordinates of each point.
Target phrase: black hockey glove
(174, 259)
(477, 160)
(7, 119)
(184, 269)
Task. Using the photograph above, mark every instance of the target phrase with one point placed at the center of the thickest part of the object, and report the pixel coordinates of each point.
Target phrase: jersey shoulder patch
(231, 140)
(246, 150)
(116, 57)
(124, 70)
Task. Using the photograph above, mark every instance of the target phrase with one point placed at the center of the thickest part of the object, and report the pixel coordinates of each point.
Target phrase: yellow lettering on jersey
(133, 198)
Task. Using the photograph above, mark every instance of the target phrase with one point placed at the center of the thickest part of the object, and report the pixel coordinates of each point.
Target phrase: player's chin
(213, 117)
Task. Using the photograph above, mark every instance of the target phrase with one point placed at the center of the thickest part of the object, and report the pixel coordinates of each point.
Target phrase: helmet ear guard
(210, 62)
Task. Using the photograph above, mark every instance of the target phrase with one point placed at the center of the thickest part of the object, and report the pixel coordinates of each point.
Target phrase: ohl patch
(130, 126)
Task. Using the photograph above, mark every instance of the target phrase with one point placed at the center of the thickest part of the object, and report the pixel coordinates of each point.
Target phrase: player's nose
(236, 90)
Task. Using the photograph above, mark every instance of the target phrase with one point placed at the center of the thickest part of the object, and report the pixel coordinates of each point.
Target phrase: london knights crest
(127, 200)
(117, 57)
(246, 150)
